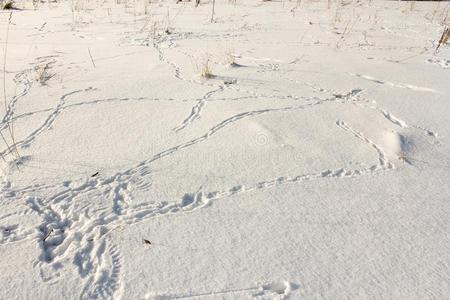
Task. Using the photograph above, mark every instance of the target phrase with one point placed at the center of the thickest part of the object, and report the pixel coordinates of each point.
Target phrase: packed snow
(263, 150)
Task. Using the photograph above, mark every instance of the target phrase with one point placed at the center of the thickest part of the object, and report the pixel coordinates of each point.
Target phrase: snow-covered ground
(311, 161)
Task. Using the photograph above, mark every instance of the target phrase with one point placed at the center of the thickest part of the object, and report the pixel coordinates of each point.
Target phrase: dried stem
(9, 123)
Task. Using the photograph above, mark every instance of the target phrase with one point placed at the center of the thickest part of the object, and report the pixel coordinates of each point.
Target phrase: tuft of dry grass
(204, 67)
(43, 74)
(206, 70)
(8, 5)
(230, 59)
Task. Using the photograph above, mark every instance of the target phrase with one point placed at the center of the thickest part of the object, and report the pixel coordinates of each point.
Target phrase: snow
(311, 163)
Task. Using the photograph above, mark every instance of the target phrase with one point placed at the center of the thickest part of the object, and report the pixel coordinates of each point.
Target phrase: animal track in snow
(106, 280)
(231, 120)
(197, 109)
(442, 62)
(13, 232)
(21, 79)
(73, 230)
(48, 121)
(397, 85)
(72, 222)
(397, 121)
(191, 202)
(280, 289)
(403, 124)
(71, 235)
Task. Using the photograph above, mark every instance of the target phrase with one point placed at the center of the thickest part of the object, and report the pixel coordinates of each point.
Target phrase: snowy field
(286, 150)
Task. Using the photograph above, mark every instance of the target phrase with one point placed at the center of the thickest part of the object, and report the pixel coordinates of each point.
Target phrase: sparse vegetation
(205, 68)
(230, 59)
(43, 74)
(7, 5)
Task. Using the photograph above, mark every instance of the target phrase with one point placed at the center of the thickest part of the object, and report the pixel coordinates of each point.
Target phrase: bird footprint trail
(68, 218)
(48, 122)
(197, 110)
(99, 166)
(280, 289)
(72, 235)
(106, 281)
(397, 85)
(397, 121)
(24, 81)
(441, 62)
(201, 199)
(21, 79)
(75, 232)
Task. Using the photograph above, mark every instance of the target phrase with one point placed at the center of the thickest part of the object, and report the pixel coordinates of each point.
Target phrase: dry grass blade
(92, 59)
(10, 124)
(212, 12)
(9, 150)
(206, 71)
(444, 38)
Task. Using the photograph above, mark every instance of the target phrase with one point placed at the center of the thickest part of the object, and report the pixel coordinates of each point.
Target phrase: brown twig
(444, 38)
(48, 234)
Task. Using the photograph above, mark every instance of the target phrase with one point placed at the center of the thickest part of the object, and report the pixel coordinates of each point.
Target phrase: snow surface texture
(310, 161)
